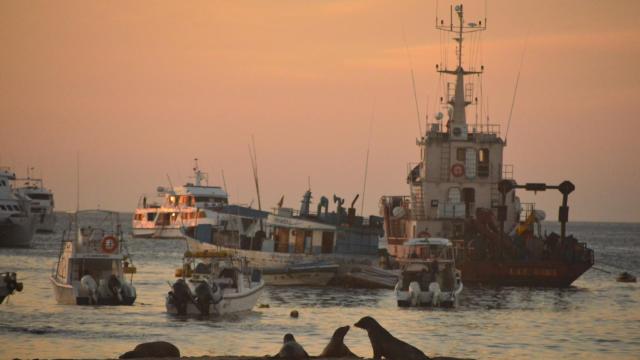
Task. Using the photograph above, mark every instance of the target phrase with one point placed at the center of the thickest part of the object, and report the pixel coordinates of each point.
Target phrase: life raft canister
(457, 170)
(424, 234)
(109, 244)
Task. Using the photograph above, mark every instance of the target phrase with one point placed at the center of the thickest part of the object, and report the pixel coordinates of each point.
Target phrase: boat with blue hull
(311, 245)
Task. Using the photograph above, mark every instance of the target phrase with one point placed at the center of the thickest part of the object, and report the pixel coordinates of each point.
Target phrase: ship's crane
(566, 187)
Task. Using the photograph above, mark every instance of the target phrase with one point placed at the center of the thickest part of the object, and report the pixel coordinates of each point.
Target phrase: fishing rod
(413, 81)
(366, 163)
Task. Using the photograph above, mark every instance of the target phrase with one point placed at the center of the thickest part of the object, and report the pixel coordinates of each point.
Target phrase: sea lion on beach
(155, 349)
(387, 346)
(336, 346)
(291, 350)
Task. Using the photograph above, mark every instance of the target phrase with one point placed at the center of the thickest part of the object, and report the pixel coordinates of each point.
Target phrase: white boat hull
(231, 302)
(163, 233)
(428, 298)
(66, 294)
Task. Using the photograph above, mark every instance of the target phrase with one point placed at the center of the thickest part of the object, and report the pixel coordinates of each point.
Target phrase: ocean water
(596, 318)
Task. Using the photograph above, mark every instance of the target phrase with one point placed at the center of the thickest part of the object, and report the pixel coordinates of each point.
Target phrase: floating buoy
(294, 314)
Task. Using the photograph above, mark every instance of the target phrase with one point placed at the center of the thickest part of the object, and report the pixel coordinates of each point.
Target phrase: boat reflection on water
(520, 298)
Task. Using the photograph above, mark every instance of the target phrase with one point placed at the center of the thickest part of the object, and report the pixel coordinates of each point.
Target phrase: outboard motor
(434, 288)
(128, 292)
(205, 295)
(89, 284)
(414, 293)
(181, 296)
(115, 287)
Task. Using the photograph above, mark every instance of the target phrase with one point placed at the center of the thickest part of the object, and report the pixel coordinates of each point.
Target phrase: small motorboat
(93, 263)
(214, 284)
(429, 276)
(8, 285)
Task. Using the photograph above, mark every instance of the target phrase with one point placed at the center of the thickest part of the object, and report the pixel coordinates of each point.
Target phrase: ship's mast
(198, 174)
(462, 96)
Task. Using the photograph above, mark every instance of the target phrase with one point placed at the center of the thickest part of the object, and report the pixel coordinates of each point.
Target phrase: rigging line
(515, 90)
(224, 182)
(426, 115)
(413, 82)
(366, 163)
(77, 183)
(254, 165)
(472, 47)
(488, 111)
(481, 100)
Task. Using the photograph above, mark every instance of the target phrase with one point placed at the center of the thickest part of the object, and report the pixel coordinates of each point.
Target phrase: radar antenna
(459, 94)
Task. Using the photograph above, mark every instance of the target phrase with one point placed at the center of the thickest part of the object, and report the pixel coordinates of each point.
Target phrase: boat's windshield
(439, 252)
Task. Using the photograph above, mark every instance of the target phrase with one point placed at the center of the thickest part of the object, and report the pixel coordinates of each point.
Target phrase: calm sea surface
(596, 318)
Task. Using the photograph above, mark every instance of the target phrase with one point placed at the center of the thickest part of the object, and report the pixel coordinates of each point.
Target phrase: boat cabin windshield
(430, 252)
(223, 271)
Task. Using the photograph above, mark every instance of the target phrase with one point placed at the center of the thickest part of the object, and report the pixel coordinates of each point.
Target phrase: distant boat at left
(8, 285)
(16, 222)
(42, 203)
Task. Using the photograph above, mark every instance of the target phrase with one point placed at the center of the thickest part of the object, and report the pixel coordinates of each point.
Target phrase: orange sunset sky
(140, 88)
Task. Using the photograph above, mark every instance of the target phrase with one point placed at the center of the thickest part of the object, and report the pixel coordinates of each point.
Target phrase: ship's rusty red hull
(519, 273)
(557, 271)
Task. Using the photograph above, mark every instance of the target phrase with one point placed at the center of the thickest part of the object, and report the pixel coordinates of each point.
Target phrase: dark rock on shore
(155, 349)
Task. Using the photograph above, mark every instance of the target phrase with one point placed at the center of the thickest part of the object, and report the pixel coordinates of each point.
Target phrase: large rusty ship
(462, 190)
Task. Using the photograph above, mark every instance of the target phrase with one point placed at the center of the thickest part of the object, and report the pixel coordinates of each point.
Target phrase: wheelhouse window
(483, 163)
(483, 156)
(454, 195)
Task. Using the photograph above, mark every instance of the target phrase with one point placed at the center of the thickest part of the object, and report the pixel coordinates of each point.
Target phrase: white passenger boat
(93, 264)
(42, 203)
(429, 275)
(214, 283)
(190, 205)
(8, 285)
(16, 221)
